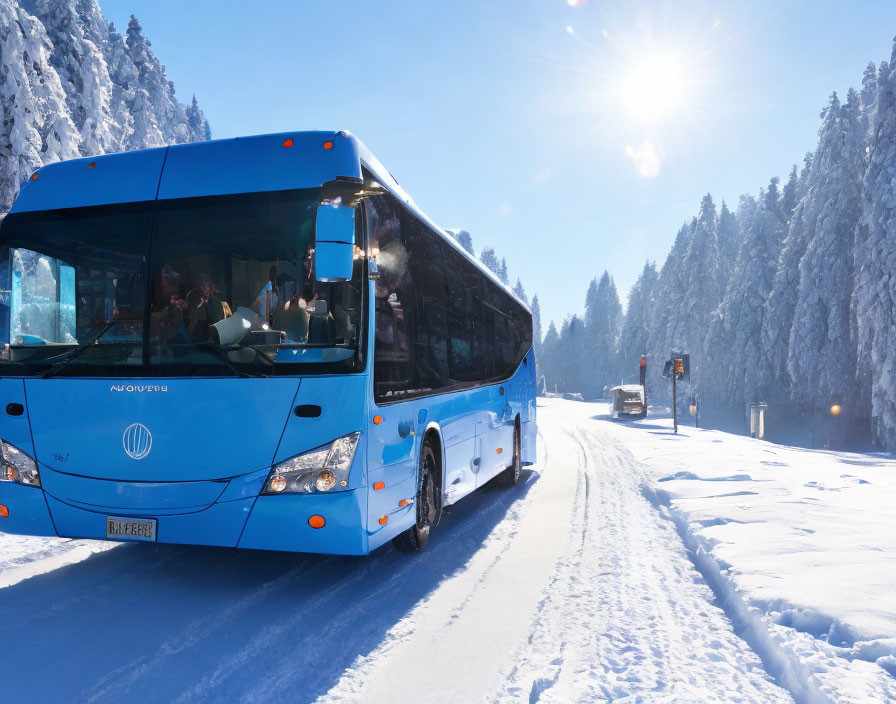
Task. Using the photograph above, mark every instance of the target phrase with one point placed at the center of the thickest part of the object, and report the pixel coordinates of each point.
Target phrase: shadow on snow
(158, 622)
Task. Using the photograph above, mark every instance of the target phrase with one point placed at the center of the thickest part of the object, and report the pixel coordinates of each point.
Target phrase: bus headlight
(16, 466)
(316, 471)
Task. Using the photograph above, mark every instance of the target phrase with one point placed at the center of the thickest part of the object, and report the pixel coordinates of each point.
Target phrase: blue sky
(572, 135)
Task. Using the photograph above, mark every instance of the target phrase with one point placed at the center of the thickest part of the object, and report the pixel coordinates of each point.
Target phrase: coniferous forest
(71, 85)
(786, 297)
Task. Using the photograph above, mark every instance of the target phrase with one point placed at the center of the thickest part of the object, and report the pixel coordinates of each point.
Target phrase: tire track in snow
(291, 632)
(118, 683)
(627, 618)
(487, 606)
(509, 528)
(576, 548)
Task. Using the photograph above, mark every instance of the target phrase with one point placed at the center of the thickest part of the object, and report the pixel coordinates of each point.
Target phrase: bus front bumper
(262, 523)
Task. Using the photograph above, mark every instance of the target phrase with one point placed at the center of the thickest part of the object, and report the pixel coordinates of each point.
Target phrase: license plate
(129, 529)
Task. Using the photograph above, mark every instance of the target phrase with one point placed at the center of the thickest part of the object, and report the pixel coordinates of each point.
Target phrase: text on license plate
(127, 529)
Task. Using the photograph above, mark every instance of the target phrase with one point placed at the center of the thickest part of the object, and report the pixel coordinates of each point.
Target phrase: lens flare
(647, 159)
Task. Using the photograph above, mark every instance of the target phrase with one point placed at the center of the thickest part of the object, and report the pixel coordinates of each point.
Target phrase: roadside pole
(674, 399)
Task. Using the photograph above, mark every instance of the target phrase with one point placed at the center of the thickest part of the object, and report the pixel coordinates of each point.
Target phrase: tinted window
(392, 360)
(442, 324)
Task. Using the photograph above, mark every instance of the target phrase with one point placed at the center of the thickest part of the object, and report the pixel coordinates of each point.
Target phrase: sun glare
(654, 89)
(649, 83)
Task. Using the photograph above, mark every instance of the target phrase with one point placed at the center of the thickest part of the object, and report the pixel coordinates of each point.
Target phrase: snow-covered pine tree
(636, 325)
(36, 127)
(778, 319)
(550, 352)
(775, 333)
(536, 323)
(536, 339)
(668, 303)
(80, 63)
(464, 239)
(876, 262)
(868, 94)
(804, 172)
(520, 291)
(490, 260)
(146, 104)
(729, 241)
(159, 118)
(822, 352)
(589, 363)
(198, 126)
(702, 280)
(69, 86)
(570, 372)
(502, 272)
(603, 317)
(790, 194)
(739, 372)
(747, 205)
(124, 80)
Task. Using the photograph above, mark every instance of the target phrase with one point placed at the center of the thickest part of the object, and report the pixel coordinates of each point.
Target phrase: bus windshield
(207, 285)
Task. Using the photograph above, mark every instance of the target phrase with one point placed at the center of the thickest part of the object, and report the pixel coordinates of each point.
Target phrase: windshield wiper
(220, 353)
(81, 349)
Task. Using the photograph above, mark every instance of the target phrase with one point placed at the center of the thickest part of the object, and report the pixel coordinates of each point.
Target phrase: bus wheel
(415, 538)
(511, 476)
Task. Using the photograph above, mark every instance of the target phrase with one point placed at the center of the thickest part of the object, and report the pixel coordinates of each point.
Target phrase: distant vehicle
(257, 342)
(628, 401)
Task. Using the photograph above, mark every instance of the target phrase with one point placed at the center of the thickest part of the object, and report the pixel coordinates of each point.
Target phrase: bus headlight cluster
(16, 466)
(321, 470)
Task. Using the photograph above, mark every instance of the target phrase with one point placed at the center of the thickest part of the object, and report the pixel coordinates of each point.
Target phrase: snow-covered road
(575, 586)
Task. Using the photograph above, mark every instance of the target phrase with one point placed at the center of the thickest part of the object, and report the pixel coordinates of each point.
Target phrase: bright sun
(654, 89)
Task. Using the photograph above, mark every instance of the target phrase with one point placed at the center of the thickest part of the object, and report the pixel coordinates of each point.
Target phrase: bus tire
(415, 538)
(511, 476)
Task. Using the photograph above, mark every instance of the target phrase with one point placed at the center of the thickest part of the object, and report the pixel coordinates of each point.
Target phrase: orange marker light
(328, 145)
(384, 520)
(34, 176)
(836, 410)
(4, 512)
(379, 485)
(288, 142)
(404, 502)
(377, 420)
(317, 522)
(499, 450)
(92, 165)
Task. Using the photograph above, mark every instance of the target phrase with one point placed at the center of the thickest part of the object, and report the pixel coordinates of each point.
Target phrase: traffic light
(682, 367)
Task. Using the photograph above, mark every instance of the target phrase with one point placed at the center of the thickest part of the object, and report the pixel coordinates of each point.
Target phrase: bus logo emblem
(137, 441)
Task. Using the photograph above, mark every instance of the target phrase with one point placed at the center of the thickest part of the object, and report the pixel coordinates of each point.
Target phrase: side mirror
(334, 243)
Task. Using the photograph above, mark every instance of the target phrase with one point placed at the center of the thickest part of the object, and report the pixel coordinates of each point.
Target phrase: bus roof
(237, 165)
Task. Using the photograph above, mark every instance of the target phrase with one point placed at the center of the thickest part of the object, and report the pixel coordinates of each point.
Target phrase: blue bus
(257, 342)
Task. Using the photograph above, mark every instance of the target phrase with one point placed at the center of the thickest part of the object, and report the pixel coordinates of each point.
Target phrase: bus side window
(428, 264)
(392, 355)
(461, 354)
(432, 346)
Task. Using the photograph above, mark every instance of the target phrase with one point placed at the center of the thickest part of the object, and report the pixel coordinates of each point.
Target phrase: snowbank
(801, 541)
